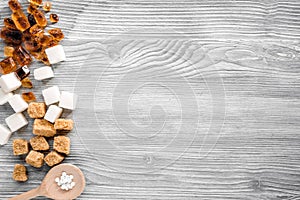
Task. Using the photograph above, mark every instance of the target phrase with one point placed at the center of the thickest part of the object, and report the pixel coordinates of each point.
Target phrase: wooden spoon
(50, 189)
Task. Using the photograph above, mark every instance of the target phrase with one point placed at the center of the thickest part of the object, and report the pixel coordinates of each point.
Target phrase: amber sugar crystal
(10, 36)
(32, 45)
(21, 56)
(28, 97)
(8, 65)
(47, 6)
(14, 5)
(36, 2)
(31, 8)
(26, 83)
(56, 33)
(40, 18)
(31, 19)
(9, 23)
(8, 51)
(54, 18)
(20, 20)
(36, 30)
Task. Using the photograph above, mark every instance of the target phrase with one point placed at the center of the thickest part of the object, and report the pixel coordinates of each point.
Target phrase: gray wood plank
(148, 56)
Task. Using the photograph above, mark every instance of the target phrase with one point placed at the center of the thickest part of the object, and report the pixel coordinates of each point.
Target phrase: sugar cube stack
(5, 134)
(17, 103)
(68, 100)
(16, 121)
(55, 54)
(9, 82)
(53, 113)
(51, 95)
(43, 73)
(4, 97)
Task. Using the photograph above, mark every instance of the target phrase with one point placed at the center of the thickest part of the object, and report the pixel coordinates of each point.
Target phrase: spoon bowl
(50, 189)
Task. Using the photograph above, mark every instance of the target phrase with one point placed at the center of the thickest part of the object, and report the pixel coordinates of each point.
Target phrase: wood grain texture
(252, 45)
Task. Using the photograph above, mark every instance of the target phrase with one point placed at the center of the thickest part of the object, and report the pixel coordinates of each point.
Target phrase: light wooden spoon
(50, 189)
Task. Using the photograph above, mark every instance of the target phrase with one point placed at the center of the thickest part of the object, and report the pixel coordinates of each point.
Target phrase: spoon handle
(27, 195)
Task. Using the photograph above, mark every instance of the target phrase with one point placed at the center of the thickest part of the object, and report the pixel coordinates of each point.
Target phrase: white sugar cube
(16, 121)
(4, 135)
(17, 103)
(55, 54)
(68, 100)
(4, 97)
(43, 73)
(51, 95)
(53, 113)
(9, 82)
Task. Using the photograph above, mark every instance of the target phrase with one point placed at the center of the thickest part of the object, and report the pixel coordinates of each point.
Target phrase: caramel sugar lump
(28, 97)
(54, 18)
(21, 56)
(47, 6)
(44, 128)
(31, 8)
(39, 143)
(56, 33)
(36, 110)
(7, 65)
(20, 20)
(40, 18)
(9, 23)
(64, 124)
(35, 159)
(53, 158)
(8, 51)
(62, 144)
(26, 83)
(14, 5)
(19, 173)
(20, 147)
(36, 2)
(11, 36)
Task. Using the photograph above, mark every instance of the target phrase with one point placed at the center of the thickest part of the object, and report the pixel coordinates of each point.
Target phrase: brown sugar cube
(39, 143)
(53, 158)
(35, 159)
(19, 173)
(63, 124)
(62, 144)
(28, 97)
(26, 83)
(36, 110)
(44, 128)
(20, 147)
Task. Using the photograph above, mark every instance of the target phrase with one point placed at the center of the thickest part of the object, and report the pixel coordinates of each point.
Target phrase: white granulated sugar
(65, 181)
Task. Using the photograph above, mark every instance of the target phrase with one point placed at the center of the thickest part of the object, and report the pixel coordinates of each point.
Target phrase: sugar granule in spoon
(65, 182)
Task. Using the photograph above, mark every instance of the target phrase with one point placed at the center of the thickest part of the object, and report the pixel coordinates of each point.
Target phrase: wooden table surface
(177, 99)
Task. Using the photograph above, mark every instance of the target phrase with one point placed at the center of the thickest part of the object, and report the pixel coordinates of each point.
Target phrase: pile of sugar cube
(11, 82)
(46, 116)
